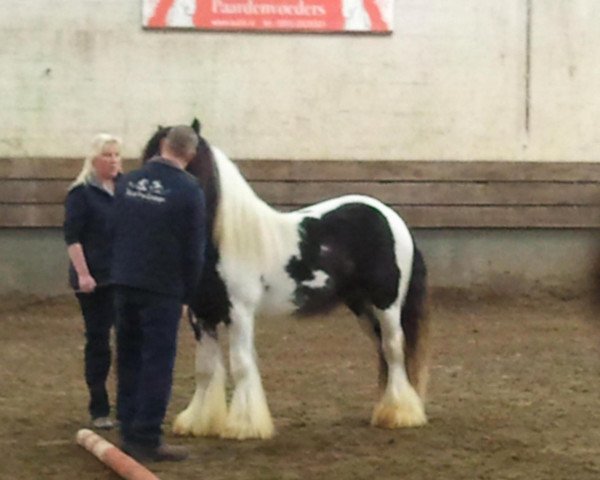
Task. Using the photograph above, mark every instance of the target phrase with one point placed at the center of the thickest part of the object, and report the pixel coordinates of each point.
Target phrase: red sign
(277, 15)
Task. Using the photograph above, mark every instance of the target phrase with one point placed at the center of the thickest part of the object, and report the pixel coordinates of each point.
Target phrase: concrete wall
(503, 262)
(532, 262)
(458, 79)
(34, 262)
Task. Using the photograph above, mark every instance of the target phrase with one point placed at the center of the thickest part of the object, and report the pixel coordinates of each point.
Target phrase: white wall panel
(449, 83)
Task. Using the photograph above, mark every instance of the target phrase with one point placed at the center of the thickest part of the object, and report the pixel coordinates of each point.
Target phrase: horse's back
(376, 222)
(395, 221)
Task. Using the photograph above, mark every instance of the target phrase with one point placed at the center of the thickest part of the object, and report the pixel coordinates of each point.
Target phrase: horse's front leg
(207, 411)
(249, 415)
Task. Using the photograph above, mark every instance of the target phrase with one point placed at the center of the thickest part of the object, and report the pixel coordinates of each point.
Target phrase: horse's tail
(415, 325)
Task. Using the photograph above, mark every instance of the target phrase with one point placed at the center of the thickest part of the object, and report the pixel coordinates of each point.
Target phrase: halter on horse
(352, 250)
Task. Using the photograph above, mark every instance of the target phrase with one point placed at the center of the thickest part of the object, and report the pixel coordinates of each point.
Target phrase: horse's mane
(247, 229)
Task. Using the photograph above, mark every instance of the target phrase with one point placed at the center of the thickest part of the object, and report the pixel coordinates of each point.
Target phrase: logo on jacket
(148, 190)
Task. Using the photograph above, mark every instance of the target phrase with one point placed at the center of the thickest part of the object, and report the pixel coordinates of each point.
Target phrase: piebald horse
(352, 250)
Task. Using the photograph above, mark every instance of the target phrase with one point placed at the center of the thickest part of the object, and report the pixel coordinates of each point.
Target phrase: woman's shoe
(103, 423)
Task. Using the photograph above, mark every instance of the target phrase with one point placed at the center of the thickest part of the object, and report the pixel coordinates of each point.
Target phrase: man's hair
(182, 141)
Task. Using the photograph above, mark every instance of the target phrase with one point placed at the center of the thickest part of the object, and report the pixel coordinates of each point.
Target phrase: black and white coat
(352, 250)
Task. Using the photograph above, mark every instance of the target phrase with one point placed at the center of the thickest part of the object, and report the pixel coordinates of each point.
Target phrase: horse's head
(202, 166)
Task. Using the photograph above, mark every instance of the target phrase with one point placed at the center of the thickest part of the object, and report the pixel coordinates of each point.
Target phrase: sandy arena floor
(514, 394)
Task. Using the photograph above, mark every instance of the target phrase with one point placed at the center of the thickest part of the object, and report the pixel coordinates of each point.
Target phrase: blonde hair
(98, 143)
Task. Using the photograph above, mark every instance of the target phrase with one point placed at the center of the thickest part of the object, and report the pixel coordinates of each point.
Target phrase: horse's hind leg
(370, 325)
(400, 404)
(249, 415)
(207, 411)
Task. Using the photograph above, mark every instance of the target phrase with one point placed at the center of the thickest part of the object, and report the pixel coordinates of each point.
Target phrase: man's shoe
(162, 453)
(102, 423)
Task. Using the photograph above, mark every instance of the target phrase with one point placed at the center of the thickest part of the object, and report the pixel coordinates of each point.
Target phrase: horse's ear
(160, 127)
(196, 125)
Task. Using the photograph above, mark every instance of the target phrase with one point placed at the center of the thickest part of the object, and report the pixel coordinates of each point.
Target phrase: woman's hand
(87, 284)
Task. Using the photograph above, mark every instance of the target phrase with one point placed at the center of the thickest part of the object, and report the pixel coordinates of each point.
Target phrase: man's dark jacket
(159, 230)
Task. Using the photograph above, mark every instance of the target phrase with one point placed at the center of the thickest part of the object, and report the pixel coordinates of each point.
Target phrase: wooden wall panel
(433, 193)
(426, 194)
(24, 191)
(48, 215)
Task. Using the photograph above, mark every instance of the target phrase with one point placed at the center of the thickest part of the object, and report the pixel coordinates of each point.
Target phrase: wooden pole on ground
(112, 457)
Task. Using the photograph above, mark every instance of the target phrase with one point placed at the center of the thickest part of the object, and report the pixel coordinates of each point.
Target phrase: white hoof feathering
(249, 416)
(404, 411)
(206, 414)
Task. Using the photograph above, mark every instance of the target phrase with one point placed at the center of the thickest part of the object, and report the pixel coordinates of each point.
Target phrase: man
(158, 253)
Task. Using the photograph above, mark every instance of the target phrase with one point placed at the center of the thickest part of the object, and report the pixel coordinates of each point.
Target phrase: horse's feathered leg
(249, 415)
(207, 411)
(400, 405)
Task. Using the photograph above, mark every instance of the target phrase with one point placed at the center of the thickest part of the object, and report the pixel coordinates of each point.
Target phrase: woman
(87, 234)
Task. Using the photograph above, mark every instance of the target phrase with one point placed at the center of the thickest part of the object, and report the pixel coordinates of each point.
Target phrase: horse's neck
(246, 228)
